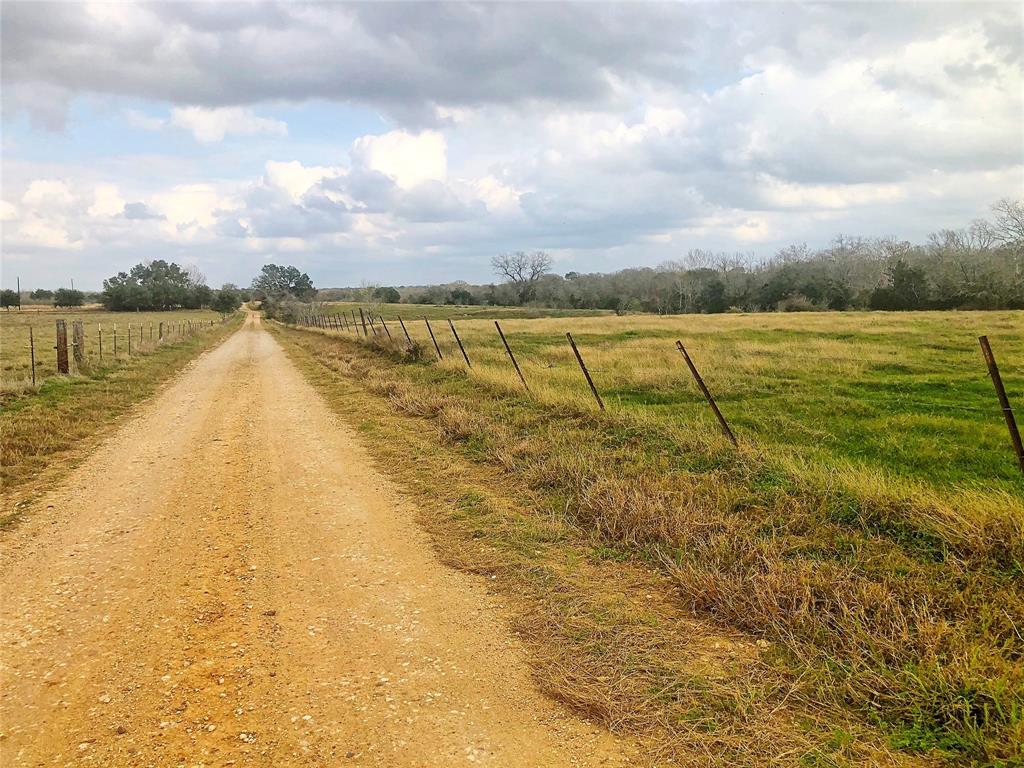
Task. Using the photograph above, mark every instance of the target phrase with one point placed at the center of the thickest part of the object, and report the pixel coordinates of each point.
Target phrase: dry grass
(892, 597)
(15, 360)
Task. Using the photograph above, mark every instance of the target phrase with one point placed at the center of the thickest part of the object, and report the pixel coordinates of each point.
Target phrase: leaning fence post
(583, 367)
(372, 326)
(512, 357)
(459, 341)
(405, 331)
(362, 317)
(1004, 401)
(62, 347)
(707, 394)
(431, 332)
(78, 343)
(384, 326)
(32, 353)
(355, 325)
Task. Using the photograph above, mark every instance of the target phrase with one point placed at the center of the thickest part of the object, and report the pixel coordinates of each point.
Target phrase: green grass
(873, 533)
(414, 313)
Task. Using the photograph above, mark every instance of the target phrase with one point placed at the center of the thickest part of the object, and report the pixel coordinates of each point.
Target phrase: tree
(9, 298)
(68, 297)
(522, 271)
(41, 294)
(227, 300)
(280, 282)
(155, 285)
(387, 295)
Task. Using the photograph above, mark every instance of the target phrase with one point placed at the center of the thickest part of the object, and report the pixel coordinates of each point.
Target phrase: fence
(113, 346)
(367, 324)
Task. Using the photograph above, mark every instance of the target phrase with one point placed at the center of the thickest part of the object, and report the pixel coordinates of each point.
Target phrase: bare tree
(523, 271)
(1008, 228)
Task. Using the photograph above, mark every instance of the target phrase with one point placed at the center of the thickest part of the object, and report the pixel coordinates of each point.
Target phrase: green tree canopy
(387, 294)
(68, 297)
(280, 282)
(155, 285)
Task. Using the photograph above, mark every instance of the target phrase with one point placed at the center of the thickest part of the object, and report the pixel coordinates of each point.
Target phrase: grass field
(893, 395)
(870, 527)
(440, 312)
(15, 365)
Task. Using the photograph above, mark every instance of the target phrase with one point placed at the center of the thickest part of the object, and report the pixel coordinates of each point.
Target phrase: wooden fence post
(707, 394)
(115, 342)
(129, 339)
(512, 357)
(160, 334)
(99, 333)
(431, 332)
(62, 347)
(1004, 401)
(78, 343)
(459, 341)
(583, 367)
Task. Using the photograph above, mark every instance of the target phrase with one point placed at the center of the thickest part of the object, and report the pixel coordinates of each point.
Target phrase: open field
(884, 395)
(869, 529)
(15, 365)
(465, 312)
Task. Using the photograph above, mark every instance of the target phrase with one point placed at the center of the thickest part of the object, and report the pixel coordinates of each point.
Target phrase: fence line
(993, 371)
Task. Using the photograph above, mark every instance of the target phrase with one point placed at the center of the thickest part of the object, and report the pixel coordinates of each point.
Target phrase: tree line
(978, 267)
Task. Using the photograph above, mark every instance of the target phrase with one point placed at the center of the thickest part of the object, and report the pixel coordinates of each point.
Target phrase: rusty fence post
(115, 342)
(583, 367)
(1004, 401)
(431, 332)
(459, 342)
(384, 326)
(355, 325)
(129, 339)
(362, 318)
(78, 344)
(512, 357)
(373, 327)
(141, 328)
(405, 331)
(62, 347)
(32, 353)
(99, 334)
(707, 394)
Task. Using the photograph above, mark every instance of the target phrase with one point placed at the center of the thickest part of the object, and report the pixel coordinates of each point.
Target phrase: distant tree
(280, 282)
(387, 294)
(68, 297)
(9, 298)
(155, 285)
(460, 296)
(907, 289)
(41, 294)
(1008, 227)
(522, 271)
(227, 300)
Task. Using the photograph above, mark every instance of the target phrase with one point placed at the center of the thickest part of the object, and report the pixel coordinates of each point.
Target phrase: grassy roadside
(696, 595)
(44, 434)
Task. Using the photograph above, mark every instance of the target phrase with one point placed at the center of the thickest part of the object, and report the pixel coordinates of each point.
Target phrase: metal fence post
(459, 341)
(1004, 401)
(707, 394)
(431, 332)
(512, 357)
(586, 373)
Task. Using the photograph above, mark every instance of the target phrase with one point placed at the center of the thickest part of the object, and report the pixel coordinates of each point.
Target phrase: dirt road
(228, 581)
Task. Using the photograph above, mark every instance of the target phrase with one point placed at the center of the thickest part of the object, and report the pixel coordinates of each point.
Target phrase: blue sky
(406, 144)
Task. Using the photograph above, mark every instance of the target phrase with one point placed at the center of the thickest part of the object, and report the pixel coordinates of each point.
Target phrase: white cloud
(211, 125)
(407, 158)
(107, 201)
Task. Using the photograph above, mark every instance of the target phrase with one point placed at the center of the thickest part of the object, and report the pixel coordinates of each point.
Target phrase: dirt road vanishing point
(228, 581)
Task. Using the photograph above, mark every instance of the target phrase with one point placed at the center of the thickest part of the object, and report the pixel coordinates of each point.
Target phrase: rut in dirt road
(229, 581)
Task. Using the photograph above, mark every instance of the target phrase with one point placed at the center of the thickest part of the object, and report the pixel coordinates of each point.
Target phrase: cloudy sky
(408, 143)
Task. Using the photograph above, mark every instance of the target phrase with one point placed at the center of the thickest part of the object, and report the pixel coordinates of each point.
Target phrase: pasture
(15, 355)
(885, 396)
